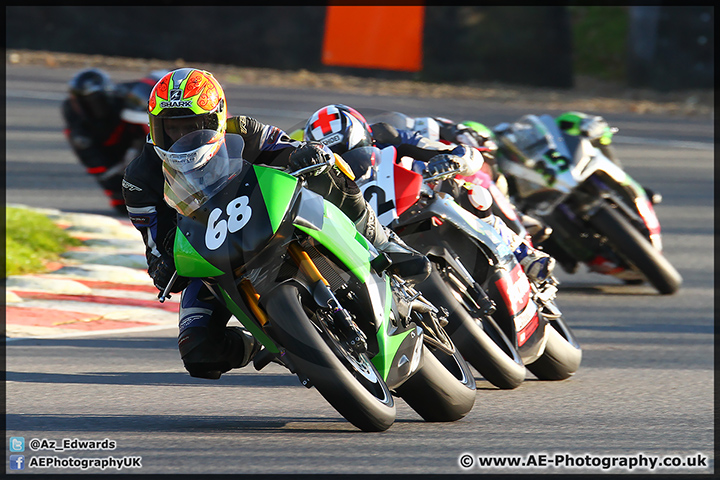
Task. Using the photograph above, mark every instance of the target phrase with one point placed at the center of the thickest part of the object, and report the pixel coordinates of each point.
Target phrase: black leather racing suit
(103, 145)
(156, 221)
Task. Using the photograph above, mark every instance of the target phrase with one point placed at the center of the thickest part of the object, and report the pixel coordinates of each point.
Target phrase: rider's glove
(442, 163)
(593, 127)
(162, 268)
(470, 159)
(468, 136)
(311, 153)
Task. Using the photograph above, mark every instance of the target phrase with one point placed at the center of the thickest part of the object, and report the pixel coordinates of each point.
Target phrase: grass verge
(31, 241)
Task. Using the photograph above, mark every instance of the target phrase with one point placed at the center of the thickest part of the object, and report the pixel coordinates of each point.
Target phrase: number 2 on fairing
(239, 213)
(382, 205)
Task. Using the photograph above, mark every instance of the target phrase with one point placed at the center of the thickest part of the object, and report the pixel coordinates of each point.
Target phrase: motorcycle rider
(343, 128)
(597, 130)
(479, 137)
(103, 127)
(593, 127)
(189, 99)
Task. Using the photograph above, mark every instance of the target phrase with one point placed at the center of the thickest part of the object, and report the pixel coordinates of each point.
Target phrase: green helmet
(591, 126)
(479, 128)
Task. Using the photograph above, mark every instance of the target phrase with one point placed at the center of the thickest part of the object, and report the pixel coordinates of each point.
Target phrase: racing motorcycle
(599, 215)
(293, 269)
(500, 321)
(134, 115)
(487, 176)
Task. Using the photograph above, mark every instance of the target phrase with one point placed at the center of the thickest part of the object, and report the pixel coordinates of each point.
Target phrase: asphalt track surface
(644, 390)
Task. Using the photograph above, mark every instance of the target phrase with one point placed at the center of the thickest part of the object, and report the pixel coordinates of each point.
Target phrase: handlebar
(441, 176)
(166, 293)
(310, 168)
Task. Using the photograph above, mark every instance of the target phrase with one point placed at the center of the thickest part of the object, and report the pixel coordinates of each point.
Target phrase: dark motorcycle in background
(134, 115)
(500, 321)
(599, 215)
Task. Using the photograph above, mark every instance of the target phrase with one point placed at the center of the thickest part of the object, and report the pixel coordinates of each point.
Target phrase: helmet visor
(198, 166)
(95, 105)
(167, 130)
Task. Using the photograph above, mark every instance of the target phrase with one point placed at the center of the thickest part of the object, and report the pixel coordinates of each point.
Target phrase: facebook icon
(17, 462)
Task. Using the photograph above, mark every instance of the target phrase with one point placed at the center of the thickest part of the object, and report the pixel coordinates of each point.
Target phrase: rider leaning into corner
(593, 127)
(342, 128)
(106, 126)
(187, 100)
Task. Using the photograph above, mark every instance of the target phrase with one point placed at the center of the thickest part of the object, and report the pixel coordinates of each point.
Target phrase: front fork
(324, 297)
(322, 294)
(426, 315)
(470, 287)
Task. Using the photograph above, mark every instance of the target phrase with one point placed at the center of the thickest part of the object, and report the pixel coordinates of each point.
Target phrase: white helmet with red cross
(338, 127)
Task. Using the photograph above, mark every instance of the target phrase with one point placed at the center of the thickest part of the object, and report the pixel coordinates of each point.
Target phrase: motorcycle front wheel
(562, 355)
(483, 344)
(636, 250)
(347, 380)
(442, 389)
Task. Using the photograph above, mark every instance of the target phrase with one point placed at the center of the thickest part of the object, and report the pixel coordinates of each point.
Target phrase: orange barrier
(382, 37)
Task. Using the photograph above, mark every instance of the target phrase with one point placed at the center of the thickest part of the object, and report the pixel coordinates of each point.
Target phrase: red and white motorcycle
(488, 177)
(500, 321)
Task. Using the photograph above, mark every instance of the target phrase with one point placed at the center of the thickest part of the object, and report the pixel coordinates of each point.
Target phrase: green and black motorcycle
(294, 270)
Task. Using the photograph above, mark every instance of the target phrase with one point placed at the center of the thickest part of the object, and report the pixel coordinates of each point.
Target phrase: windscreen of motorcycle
(198, 166)
(529, 137)
(361, 161)
(396, 119)
(135, 104)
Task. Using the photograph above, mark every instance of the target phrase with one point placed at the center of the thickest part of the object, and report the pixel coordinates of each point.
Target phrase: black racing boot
(407, 263)
(538, 231)
(208, 354)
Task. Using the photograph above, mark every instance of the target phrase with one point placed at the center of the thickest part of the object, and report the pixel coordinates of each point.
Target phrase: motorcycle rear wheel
(484, 346)
(351, 385)
(442, 390)
(636, 250)
(562, 355)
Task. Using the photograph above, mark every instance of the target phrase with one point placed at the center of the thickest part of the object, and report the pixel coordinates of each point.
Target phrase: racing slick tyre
(347, 380)
(482, 343)
(442, 389)
(562, 355)
(636, 250)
